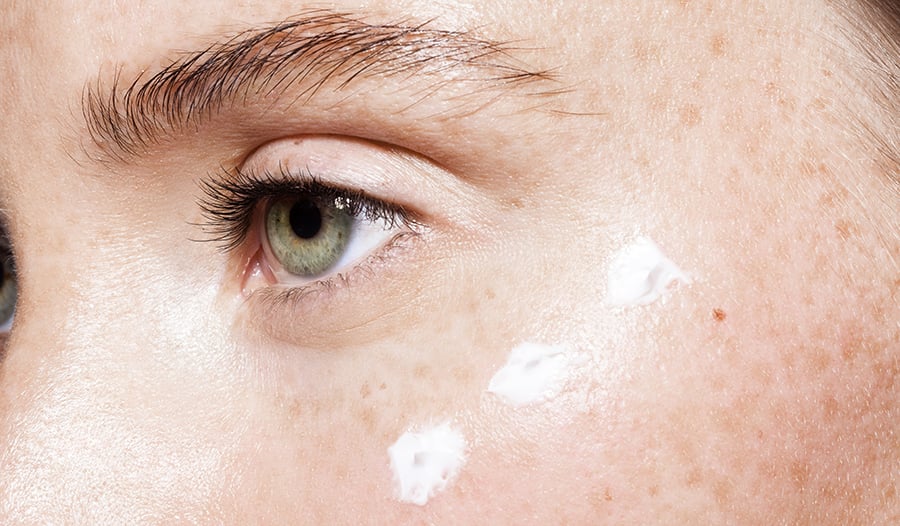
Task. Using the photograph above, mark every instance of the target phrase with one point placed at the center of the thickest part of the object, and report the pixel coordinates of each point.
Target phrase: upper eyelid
(231, 200)
(305, 54)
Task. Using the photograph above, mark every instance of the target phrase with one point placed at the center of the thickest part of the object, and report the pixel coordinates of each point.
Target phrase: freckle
(848, 353)
(517, 203)
(367, 418)
(830, 408)
(462, 375)
(599, 501)
(820, 361)
(807, 168)
(326, 447)
(490, 294)
(722, 491)
(831, 199)
(690, 115)
(642, 160)
(421, 371)
(800, 472)
(719, 314)
(295, 409)
(845, 229)
(717, 45)
(646, 52)
(365, 390)
(694, 477)
(382, 387)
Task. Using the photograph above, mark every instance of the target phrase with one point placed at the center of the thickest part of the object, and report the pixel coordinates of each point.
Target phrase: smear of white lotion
(641, 274)
(533, 373)
(425, 462)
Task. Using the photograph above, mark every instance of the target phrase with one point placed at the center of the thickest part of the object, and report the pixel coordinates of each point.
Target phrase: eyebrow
(301, 56)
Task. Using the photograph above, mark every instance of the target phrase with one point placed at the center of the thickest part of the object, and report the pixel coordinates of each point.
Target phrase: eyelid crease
(309, 52)
(229, 202)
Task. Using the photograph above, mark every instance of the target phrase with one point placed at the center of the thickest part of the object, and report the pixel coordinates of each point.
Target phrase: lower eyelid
(322, 310)
(283, 292)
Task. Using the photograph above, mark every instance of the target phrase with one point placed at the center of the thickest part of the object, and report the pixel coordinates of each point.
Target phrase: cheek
(108, 418)
(119, 393)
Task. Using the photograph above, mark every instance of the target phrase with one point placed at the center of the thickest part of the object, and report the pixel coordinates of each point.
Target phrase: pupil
(306, 219)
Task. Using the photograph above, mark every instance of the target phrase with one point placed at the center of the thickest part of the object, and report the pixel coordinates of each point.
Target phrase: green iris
(308, 234)
(8, 287)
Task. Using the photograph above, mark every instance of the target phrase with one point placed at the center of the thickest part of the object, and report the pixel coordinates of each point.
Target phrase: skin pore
(158, 375)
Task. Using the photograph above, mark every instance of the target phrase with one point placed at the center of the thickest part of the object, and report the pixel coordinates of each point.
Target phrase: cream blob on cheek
(640, 274)
(533, 373)
(425, 462)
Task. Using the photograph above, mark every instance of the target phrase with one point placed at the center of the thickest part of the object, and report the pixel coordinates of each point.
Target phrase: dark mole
(718, 314)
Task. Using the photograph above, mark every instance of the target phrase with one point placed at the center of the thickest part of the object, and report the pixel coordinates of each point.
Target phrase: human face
(653, 205)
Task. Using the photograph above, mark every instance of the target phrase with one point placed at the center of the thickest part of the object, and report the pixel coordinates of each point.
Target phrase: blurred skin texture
(531, 140)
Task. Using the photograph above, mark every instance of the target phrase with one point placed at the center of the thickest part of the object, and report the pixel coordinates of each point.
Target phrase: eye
(308, 235)
(294, 229)
(8, 288)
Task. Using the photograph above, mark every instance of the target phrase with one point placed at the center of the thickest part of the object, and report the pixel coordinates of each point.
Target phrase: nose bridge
(101, 411)
(65, 426)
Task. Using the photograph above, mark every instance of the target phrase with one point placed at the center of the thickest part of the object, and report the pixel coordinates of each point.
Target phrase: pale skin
(141, 385)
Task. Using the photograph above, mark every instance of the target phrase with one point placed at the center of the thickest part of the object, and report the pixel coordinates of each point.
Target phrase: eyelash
(231, 200)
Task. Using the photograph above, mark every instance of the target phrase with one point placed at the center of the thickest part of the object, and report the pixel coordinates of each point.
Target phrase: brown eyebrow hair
(873, 34)
(305, 54)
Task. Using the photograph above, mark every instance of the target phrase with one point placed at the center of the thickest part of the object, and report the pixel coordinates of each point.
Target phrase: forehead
(636, 63)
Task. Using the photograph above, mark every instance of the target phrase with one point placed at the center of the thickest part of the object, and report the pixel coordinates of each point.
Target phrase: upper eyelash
(229, 201)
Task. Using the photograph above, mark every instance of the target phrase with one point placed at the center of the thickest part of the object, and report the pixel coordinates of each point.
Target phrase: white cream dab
(425, 462)
(533, 373)
(641, 274)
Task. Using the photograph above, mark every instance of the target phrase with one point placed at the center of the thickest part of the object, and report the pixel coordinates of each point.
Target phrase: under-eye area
(319, 232)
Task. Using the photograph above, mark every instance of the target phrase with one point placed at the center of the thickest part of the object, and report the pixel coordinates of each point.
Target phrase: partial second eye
(8, 288)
